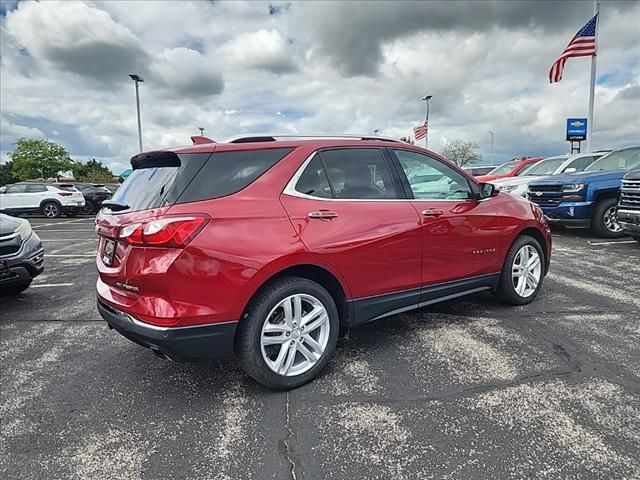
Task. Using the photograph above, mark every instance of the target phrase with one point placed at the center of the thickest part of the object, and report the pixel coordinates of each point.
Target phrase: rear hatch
(70, 194)
(140, 238)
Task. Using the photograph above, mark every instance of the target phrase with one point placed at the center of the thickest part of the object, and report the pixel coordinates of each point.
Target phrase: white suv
(36, 197)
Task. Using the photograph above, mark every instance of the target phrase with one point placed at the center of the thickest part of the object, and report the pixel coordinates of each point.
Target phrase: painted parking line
(74, 230)
(70, 255)
(64, 222)
(612, 242)
(67, 239)
(47, 285)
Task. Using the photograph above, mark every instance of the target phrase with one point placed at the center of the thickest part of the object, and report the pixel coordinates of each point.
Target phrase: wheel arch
(606, 194)
(538, 235)
(312, 271)
(50, 200)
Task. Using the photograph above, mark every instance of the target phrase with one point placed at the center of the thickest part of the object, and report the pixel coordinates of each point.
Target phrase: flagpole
(592, 86)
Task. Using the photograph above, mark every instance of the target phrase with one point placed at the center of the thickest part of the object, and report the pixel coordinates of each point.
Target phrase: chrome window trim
(290, 189)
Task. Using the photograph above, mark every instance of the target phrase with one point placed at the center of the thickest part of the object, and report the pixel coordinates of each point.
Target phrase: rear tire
(271, 342)
(511, 290)
(51, 210)
(15, 289)
(604, 222)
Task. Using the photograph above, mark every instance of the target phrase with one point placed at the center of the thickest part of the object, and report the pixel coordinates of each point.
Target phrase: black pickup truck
(629, 204)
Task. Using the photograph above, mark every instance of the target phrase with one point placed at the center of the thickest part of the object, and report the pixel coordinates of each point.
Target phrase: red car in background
(511, 168)
(269, 247)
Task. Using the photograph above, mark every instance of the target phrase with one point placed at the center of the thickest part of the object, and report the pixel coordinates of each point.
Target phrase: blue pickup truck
(589, 198)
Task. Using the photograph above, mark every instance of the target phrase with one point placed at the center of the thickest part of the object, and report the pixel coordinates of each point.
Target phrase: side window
(36, 188)
(431, 179)
(226, 173)
(313, 180)
(358, 173)
(17, 188)
(581, 163)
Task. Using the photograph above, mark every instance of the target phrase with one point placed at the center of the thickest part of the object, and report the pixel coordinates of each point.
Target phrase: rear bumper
(182, 344)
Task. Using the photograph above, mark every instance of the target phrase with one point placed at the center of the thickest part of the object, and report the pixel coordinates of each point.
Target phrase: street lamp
(137, 79)
(426, 98)
(201, 131)
(491, 133)
(375, 132)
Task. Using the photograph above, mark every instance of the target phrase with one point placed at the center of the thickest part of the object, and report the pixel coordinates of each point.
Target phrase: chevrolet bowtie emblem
(577, 123)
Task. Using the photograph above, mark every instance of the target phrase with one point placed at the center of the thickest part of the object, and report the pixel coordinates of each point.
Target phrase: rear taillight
(65, 194)
(172, 232)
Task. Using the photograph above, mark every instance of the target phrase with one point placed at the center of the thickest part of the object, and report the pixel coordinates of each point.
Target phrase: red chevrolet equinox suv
(269, 247)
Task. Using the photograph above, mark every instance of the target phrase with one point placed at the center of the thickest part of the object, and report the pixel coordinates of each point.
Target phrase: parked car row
(582, 190)
(53, 199)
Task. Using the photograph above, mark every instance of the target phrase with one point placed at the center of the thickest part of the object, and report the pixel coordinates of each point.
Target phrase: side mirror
(3, 189)
(487, 190)
(570, 170)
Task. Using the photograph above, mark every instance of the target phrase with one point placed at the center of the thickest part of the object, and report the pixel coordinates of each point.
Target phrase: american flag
(421, 131)
(582, 45)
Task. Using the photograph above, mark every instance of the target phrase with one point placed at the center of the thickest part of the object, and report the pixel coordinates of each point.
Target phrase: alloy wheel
(526, 271)
(295, 335)
(611, 220)
(51, 210)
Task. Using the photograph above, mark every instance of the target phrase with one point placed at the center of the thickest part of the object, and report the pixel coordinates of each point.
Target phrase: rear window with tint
(193, 177)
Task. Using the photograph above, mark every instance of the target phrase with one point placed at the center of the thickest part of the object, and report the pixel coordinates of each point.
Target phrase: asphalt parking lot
(464, 389)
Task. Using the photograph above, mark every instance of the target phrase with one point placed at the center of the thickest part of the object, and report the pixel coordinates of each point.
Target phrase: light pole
(375, 132)
(201, 131)
(426, 98)
(491, 133)
(137, 79)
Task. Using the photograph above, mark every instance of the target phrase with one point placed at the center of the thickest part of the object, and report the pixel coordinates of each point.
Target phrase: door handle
(432, 212)
(322, 214)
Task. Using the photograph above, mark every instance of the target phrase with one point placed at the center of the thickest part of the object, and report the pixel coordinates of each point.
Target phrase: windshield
(618, 160)
(545, 167)
(504, 168)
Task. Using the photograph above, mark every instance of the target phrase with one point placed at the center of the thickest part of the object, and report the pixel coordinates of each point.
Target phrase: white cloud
(230, 67)
(263, 49)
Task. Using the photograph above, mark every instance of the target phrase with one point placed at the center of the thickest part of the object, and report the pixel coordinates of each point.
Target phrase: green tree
(34, 158)
(407, 140)
(461, 152)
(6, 176)
(93, 172)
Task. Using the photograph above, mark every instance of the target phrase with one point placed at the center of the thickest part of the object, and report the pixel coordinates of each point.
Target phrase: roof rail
(274, 138)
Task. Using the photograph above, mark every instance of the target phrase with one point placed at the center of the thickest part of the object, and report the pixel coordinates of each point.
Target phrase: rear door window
(357, 173)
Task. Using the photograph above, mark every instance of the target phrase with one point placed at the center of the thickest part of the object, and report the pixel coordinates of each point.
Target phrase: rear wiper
(115, 206)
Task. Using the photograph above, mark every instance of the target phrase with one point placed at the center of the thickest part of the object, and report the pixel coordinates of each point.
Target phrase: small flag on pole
(421, 131)
(582, 45)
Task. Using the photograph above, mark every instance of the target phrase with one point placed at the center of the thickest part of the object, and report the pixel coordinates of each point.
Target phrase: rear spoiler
(159, 158)
(201, 140)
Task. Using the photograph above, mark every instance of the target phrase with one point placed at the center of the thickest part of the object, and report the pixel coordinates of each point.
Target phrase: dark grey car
(21, 255)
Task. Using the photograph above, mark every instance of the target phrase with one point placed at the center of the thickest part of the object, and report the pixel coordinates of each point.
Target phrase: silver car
(545, 168)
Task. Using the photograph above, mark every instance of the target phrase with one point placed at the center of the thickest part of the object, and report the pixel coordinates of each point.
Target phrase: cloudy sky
(241, 67)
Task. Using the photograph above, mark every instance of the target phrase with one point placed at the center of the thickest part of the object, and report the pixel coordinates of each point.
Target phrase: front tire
(288, 334)
(522, 273)
(51, 210)
(605, 222)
